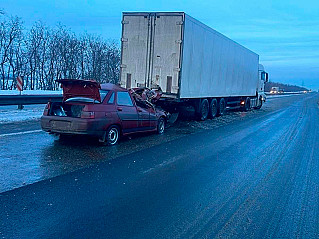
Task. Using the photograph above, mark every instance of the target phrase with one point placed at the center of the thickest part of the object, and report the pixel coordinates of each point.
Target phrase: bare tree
(44, 54)
(10, 45)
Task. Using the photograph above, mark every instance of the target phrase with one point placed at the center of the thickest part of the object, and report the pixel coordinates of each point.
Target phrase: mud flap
(173, 117)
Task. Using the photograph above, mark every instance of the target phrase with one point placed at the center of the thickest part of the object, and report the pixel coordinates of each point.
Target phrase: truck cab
(262, 79)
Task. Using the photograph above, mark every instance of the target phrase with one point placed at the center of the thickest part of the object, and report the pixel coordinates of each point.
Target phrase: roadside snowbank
(9, 114)
(30, 112)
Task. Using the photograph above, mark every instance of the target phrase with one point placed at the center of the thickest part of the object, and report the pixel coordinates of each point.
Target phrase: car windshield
(103, 94)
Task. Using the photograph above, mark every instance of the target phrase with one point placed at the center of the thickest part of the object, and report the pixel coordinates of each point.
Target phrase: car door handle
(119, 109)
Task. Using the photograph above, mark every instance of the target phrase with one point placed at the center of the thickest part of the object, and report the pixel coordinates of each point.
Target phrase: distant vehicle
(106, 111)
(190, 62)
(274, 90)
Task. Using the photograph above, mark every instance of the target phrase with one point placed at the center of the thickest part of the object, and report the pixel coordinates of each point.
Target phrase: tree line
(43, 54)
(285, 87)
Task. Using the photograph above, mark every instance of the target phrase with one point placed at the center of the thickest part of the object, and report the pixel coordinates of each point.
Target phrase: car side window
(124, 99)
(111, 99)
(103, 94)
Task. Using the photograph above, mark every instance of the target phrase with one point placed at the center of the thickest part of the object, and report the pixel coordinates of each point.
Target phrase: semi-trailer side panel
(215, 66)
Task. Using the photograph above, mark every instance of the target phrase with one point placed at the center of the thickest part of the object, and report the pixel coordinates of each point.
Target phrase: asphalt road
(245, 175)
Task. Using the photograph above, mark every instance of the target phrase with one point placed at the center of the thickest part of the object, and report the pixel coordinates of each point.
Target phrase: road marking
(19, 133)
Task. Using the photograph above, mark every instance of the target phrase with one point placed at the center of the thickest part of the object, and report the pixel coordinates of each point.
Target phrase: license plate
(62, 125)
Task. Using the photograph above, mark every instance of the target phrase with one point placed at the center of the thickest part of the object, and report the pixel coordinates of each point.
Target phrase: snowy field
(10, 113)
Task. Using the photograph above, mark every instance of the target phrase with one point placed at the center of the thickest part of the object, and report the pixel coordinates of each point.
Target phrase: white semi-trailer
(190, 62)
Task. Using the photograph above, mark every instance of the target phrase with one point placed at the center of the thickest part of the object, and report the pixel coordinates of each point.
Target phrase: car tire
(111, 136)
(213, 109)
(161, 126)
(221, 107)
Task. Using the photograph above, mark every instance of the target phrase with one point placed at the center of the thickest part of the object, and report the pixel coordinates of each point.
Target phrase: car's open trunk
(76, 94)
(66, 110)
(80, 88)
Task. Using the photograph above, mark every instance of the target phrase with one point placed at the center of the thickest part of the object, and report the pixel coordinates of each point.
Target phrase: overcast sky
(285, 33)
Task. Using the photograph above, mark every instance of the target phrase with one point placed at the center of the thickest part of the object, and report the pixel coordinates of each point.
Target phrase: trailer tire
(221, 107)
(203, 110)
(213, 109)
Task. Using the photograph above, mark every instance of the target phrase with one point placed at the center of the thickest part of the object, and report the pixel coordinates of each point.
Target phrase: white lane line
(19, 133)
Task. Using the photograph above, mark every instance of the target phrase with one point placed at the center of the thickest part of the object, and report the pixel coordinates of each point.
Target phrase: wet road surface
(251, 174)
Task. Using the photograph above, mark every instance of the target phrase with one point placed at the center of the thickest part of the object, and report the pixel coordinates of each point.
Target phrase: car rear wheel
(111, 136)
(161, 126)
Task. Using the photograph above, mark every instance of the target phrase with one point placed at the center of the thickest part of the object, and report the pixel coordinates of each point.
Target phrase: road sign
(19, 83)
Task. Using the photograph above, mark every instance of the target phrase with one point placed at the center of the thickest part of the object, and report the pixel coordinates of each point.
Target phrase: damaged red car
(106, 111)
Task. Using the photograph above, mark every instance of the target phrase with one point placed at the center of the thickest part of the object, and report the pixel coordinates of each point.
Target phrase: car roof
(110, 86)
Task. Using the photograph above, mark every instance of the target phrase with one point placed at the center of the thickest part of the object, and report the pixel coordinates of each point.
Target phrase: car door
(127, 112)
(153, 118)
(143, 116)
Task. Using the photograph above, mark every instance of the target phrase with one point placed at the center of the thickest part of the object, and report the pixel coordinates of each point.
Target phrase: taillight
(87, 115)
(47, 108)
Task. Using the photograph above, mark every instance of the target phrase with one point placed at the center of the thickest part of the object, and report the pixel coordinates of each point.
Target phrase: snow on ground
(31, 92)
(30, 112)
(11, 113)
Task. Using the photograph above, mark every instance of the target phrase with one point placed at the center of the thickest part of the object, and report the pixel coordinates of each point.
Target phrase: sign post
(20, 88)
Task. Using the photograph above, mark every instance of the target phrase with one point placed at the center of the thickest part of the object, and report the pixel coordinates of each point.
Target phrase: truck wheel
(260, 104)
(161, 125)
(222, 106)
(203, 110)
(247, 104)
(111, 136)
(213, 109)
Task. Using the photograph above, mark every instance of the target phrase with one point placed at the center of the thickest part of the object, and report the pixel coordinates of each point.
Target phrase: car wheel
(161, 126)
(222, 106)
(111, 136)
(213, 109)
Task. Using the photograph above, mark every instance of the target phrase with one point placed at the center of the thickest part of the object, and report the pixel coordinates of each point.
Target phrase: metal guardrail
(43, 99)
(286, 93)
(28, 99)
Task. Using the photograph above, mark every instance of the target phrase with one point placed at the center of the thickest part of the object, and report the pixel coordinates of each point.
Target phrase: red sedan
(106, 111)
